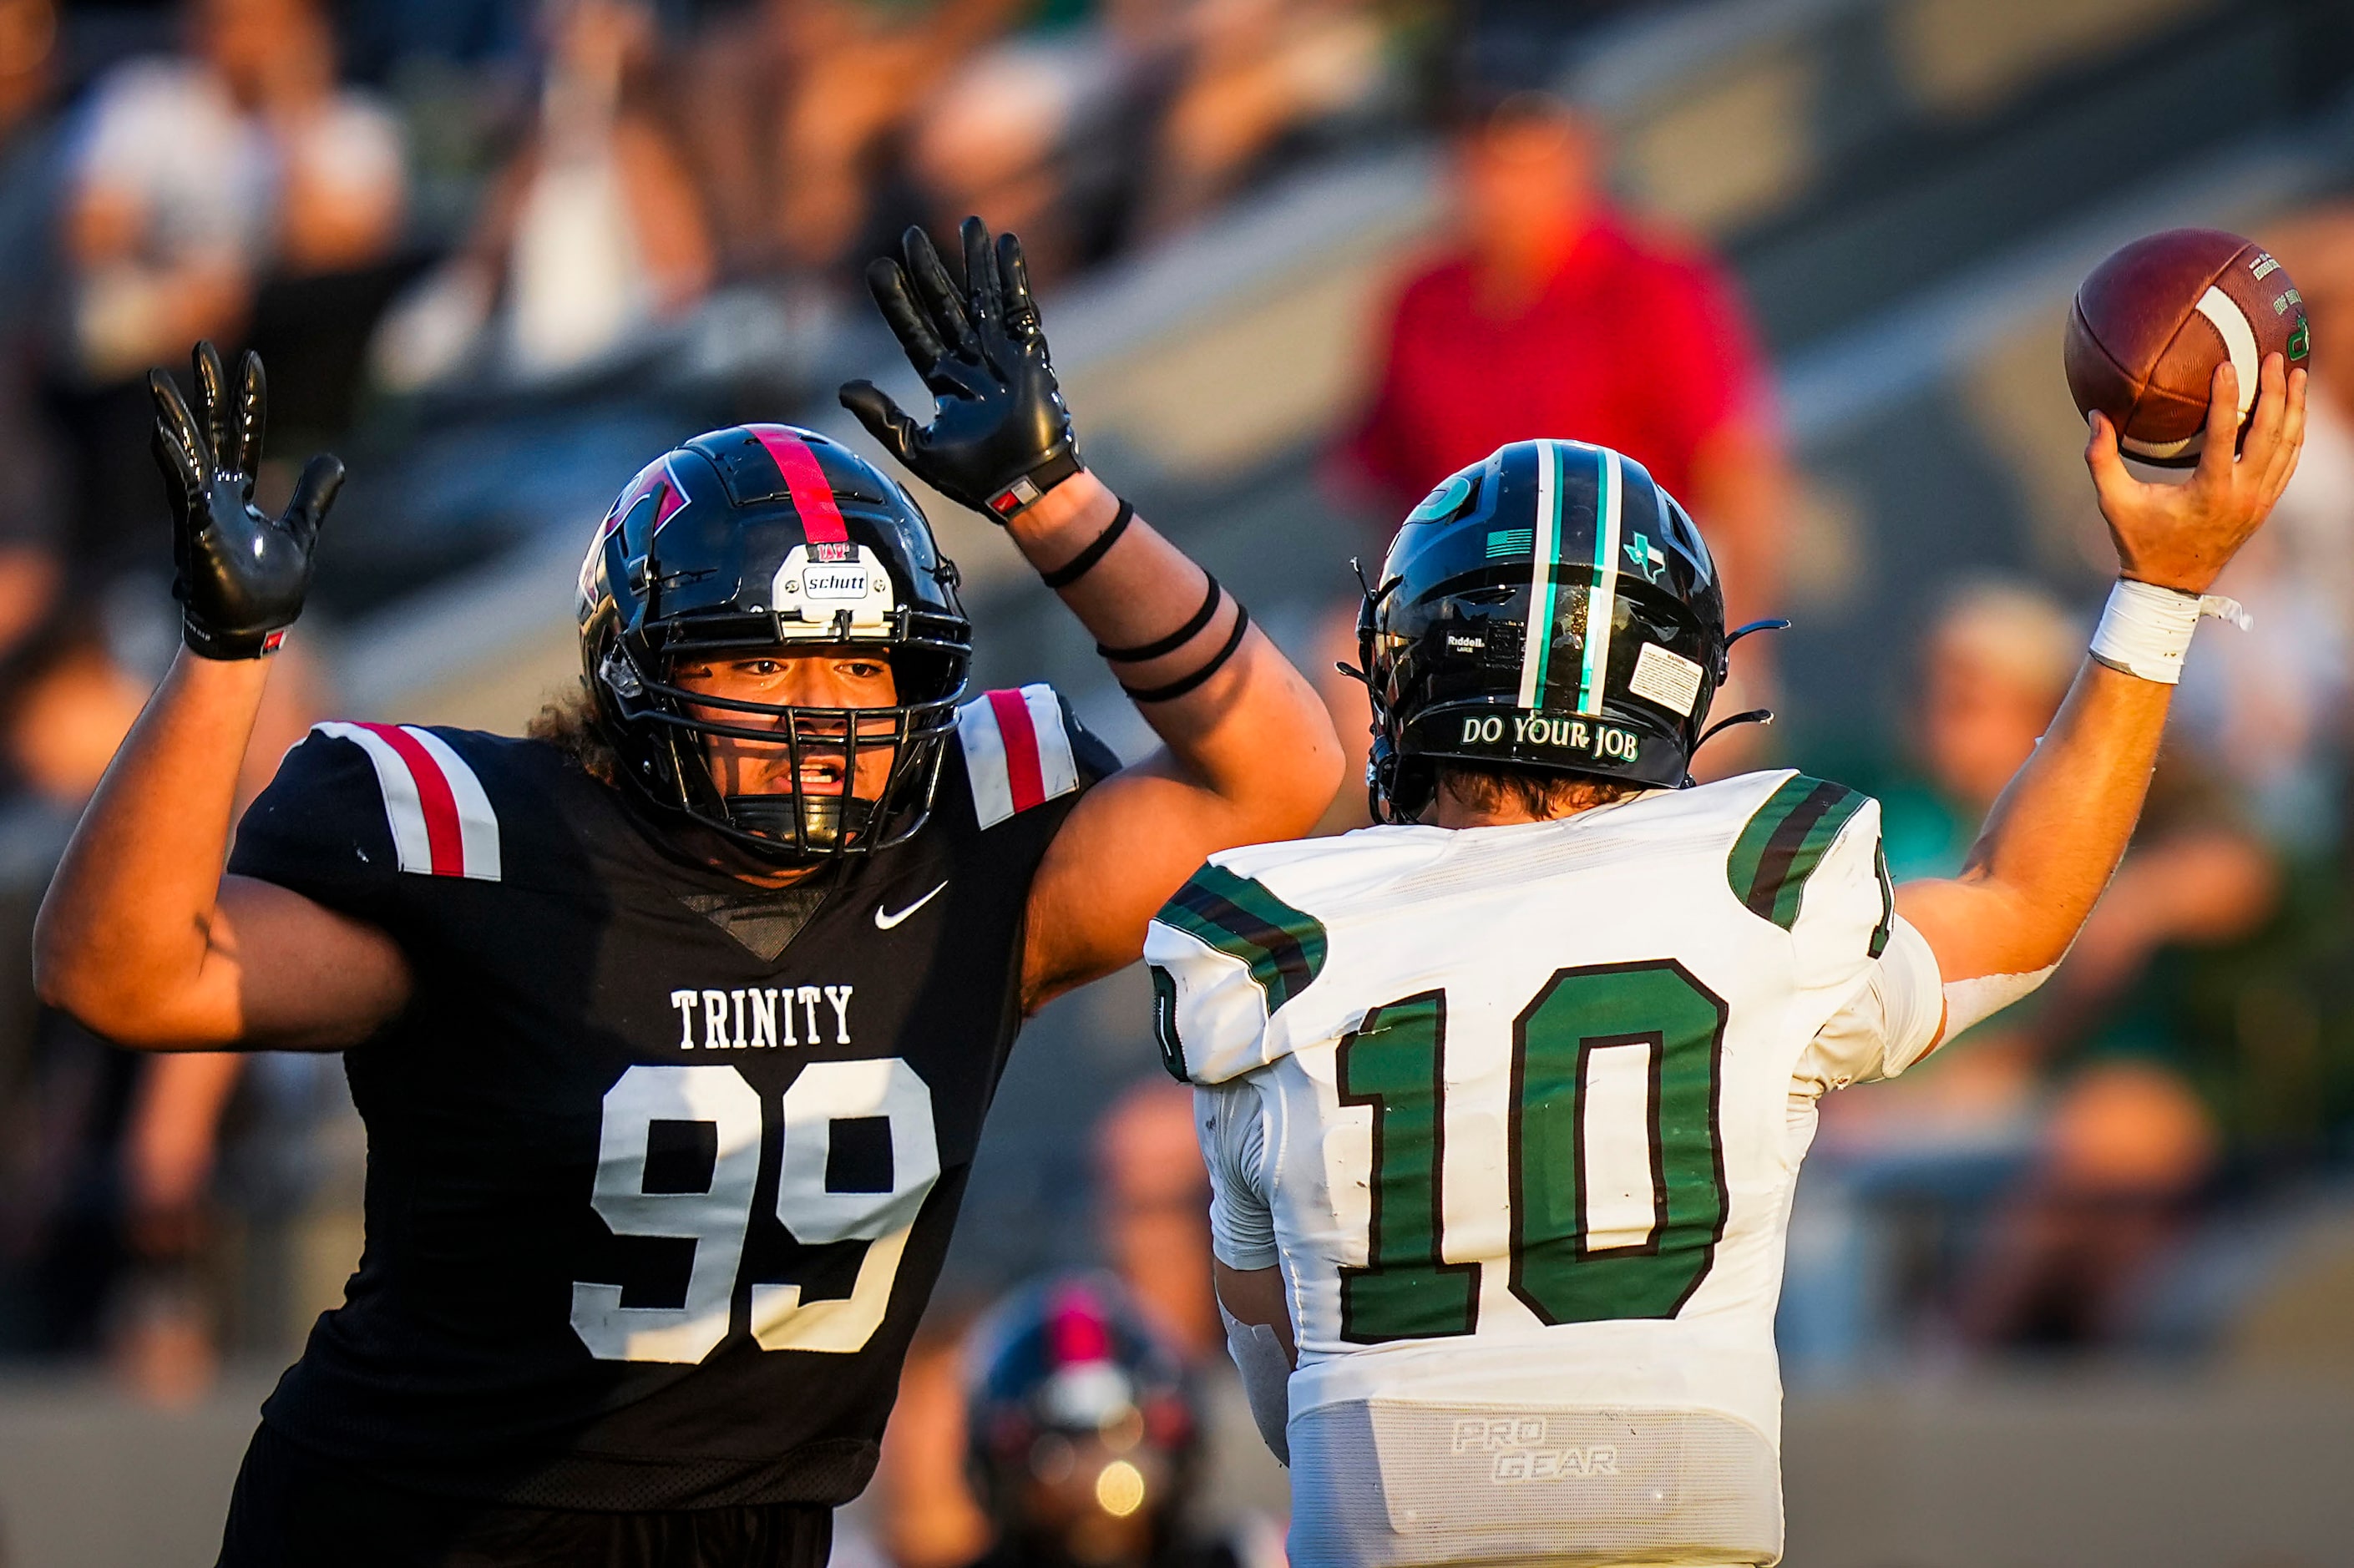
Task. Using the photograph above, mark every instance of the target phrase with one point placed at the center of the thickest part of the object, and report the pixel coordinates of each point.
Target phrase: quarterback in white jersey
(1503, 1110)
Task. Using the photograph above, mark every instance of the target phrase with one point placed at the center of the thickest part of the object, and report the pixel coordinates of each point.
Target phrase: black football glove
(241, 576)
(1000, 436)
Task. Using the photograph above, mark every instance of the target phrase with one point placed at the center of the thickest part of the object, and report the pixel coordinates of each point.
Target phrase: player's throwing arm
(2056, 835)
(1248, 754)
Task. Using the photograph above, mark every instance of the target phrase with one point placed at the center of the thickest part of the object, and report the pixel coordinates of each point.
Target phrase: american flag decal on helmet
(442, 821)
(1017, 754)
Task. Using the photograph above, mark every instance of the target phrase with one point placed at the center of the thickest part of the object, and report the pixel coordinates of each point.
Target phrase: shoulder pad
(1017, 751)
(441, 819)
(1814, 843)
(1784, 840)
(1225, 956)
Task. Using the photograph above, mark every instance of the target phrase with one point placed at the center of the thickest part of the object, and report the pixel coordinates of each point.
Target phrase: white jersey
(1519, 1111)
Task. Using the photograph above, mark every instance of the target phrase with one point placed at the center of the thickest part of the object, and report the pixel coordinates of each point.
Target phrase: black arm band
(1178, 688)
(1175, 640)
(1082, 563)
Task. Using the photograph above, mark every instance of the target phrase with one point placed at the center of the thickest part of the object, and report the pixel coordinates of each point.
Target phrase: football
(2152, 322)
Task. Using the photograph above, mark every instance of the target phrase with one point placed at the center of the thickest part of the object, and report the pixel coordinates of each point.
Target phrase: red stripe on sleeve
(440, 807)
(812, 496)
(1022, 775)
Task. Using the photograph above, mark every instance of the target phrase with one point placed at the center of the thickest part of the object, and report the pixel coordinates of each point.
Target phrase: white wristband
(2145, 630)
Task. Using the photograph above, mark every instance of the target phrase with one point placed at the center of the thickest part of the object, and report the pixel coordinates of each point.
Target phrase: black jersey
(661, 1168)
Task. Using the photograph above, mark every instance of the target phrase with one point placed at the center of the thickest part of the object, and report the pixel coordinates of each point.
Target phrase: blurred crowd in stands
(429, 212)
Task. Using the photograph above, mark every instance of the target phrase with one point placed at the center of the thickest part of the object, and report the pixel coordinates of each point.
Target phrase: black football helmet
(1083, 1434)
(751, 537)
(1552, 608)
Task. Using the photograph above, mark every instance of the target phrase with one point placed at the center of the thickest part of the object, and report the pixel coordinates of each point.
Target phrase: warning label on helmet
(1668, 679)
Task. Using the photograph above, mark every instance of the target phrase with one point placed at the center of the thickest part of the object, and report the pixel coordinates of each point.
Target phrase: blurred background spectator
(1807, 263)
(112, 1227)
(2042, 1160)
(1085, 1437)
(1154, 1193)
(195, 183)
(933, 1498)
(797, 105)
(1558, 313)
(1554, 311)
(590, 234)
(28, 534)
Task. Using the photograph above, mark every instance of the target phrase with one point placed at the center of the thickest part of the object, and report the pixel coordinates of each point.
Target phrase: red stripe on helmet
(812, 493)
(433, 795)
(673, 496)
(1024, 779)
(1075, 1330)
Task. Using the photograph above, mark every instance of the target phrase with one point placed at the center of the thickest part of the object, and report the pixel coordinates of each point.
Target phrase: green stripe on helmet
(1602, 590)
(1536, 646)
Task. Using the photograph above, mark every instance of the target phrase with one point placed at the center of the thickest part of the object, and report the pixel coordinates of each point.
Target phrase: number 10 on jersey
(1615, 1165)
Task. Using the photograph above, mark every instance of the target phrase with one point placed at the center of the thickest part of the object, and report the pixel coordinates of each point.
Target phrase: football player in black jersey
(673, 1025)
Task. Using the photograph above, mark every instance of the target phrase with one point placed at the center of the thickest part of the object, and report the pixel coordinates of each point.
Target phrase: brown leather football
(2153, 321)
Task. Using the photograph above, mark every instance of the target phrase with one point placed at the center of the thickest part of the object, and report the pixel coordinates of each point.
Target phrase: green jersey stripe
(1536, 646)
(1812, 844)
(1602, 595)
(1741, 866)
(1784, 840)
(1284, 947)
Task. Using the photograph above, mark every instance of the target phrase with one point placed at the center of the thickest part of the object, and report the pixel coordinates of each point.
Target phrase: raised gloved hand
(1000, 436)
(242, 576)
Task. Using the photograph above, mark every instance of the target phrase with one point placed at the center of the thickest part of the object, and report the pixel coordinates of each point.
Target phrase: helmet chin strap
(1771, 624)
(1754, 715)
(1751, 715)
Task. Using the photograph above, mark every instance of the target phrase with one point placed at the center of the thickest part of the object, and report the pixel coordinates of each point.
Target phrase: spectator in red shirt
(1553, 315)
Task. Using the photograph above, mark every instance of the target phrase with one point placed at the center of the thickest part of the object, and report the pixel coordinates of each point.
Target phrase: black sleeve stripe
(1887, 926)
(1164, 1022)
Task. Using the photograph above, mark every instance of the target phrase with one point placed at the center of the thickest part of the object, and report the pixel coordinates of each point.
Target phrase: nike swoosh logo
(883, 922)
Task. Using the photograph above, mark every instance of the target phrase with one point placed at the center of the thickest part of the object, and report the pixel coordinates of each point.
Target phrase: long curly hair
(568, 723)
